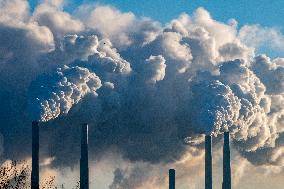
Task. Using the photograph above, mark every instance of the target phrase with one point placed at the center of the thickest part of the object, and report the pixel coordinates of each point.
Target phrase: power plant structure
(208, 162)
(172, 175)
(35, 156)
(84, 160)
(226, 162)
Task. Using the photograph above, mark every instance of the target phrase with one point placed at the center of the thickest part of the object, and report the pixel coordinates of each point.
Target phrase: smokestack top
(85, 133)
(226, 135)
(35, 123)
(172, 170)
(209, 136)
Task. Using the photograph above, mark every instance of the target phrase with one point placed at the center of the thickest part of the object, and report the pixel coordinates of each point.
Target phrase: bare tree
(16, 175)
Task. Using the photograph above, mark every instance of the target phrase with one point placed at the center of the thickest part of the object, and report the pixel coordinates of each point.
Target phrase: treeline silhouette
(17, 174)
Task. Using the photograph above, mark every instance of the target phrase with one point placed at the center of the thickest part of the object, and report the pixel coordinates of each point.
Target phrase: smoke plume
(143, 87)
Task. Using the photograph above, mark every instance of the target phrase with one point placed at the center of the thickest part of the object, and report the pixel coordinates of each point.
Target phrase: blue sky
(263, 12)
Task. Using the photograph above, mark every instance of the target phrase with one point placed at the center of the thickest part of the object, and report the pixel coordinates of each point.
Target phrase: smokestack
(208, 162)
(172, 174)
(226, 162)
(84, 164)
(35, 156)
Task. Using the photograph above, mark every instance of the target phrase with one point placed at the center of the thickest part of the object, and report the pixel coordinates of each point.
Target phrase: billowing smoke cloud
(149, 92)
(221, 109)
(51, 14)
(257, 36)
(61, 91)
(132, 178)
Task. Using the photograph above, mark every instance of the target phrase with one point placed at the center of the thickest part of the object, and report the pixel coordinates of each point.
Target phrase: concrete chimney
(35, 156)
(226, 162)
(172, 175)
(84, 160)
(208, 162)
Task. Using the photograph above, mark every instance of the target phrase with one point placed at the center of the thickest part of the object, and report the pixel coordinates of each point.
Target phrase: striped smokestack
(172, 175)
(226, 162)
(35, 156)
(84, 160)
(208, 162)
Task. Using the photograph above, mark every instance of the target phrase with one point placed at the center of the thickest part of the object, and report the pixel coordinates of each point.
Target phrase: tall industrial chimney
(172, 175)
(35, 156)
(226, 162)
(84, 164)
(208, 162)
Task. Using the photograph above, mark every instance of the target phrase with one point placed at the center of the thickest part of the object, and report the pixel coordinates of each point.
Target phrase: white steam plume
(59, 92)
(142, 86)
(188, 67)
